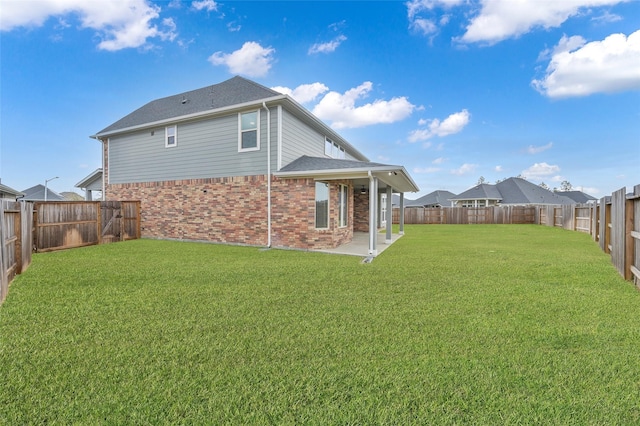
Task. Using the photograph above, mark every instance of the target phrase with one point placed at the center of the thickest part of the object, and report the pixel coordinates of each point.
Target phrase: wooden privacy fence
(469, 215)
(68, 224)
(15, 236)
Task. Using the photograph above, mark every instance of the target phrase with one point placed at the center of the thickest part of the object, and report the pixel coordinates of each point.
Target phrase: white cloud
(327, 47)
(578, 68)
(502, 19)
(208, 5)
(540, 171)
(498, 169)
(341, 110)
(537, 149)
(120, 25)
(465, 169)
(427, 26)
(450, 125)
(251, 59)
(439, 160)
(303, 93)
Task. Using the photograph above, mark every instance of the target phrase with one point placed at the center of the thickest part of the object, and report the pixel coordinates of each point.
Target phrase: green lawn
(454, 324)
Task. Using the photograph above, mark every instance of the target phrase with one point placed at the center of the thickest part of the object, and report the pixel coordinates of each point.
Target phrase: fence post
(629, 240)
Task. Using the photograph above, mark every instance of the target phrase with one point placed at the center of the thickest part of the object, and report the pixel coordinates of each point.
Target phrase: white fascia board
(181, 118)
(401, 180)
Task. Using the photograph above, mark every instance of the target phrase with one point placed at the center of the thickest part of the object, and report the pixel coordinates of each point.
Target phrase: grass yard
(452, 324)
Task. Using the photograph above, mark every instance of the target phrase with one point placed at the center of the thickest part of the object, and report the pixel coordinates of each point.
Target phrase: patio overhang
(376, 178)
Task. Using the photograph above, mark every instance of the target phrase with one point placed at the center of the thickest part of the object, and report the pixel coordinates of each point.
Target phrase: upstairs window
(170, 136)
(248, 138)
(332, 149)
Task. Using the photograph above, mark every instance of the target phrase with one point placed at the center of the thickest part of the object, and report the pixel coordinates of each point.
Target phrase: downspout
(104, 169)
(268, 174)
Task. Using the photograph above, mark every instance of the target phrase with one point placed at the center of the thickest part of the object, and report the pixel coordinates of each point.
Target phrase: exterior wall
(361, 212)
(205, 149)
(293, 215)
(225, 210)
(299, 139)
(234, 210)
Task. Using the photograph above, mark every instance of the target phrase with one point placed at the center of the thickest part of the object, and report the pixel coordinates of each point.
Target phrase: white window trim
(175, 136)
(343, 219)
(257, 147)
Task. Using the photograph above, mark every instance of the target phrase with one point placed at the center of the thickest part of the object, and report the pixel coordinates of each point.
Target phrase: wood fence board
(617, 241)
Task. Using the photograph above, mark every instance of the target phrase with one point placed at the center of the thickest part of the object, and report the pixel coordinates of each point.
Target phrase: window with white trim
(248, 131)
(322, 205)
(332, 149)
(343, 206)
(170, 136)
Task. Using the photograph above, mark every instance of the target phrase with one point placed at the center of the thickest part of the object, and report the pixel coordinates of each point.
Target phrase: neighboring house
(577, 196)
(240, 163)
(8, 193)
(36, 193)
(512, 191)
(482, 195)
(434, 199)
(72, 196)
(91, 184)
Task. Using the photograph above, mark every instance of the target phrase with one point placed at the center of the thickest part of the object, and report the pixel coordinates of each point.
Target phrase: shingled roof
(483, 191)
(435, 198)
(235, 91)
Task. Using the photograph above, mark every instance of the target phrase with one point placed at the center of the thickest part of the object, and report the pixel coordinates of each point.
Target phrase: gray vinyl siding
(205, 149)
(299, 139)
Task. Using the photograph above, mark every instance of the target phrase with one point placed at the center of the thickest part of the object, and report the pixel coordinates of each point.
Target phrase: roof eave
(381, 172)
(187, 117)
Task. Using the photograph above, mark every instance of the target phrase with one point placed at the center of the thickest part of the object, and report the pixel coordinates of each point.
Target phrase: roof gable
(434, 198)
(521, 191)
(235, 91)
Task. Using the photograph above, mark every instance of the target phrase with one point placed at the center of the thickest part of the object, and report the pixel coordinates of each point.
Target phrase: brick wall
(234, 210)
(293, 215)
(361, 213)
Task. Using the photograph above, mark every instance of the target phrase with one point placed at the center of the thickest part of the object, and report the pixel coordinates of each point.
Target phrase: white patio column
(389, 215)
(373, 213)
(401, 217)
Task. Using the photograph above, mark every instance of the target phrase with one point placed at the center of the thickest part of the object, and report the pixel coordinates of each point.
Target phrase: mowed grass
(452, 324)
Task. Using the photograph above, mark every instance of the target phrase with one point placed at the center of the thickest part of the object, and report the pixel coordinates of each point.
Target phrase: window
(170, 136)
(383, 209)
(332, 149)
(248, 134)
(328, 146)
(322, 205)
(343, 206)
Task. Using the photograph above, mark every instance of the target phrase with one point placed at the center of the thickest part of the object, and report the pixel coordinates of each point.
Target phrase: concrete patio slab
(359, 245)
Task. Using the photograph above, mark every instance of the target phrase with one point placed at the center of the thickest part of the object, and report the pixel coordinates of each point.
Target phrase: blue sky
(452, 90)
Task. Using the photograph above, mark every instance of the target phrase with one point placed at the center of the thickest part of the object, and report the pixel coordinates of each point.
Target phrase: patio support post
(401, 215)
(373, 209)
(389, 218)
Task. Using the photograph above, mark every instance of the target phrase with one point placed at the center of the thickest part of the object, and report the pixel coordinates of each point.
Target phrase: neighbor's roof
(483, 191)
(234, 91)
(520, 191)
(4, 189)
(434, 198)
(577, 196)
(96, 175)
(330, 168)
(36, 193)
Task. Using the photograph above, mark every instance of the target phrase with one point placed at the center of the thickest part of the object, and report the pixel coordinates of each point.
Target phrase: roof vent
(184, 100)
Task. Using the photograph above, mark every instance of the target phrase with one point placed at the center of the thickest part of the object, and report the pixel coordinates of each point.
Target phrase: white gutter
(264, 104)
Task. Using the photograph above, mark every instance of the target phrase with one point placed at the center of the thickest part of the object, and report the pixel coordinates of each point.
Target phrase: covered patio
(374, 184)
(359, 245)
